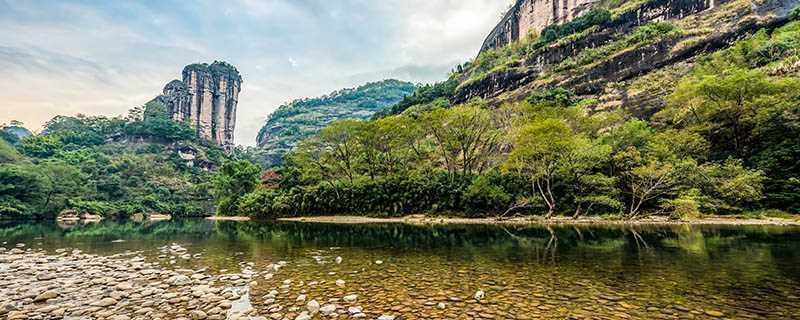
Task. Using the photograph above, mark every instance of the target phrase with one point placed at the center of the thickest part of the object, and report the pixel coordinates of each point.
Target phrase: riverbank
(426, 220)
(70, 283)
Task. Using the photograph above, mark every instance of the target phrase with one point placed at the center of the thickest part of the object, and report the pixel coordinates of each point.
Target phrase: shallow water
(601, 272)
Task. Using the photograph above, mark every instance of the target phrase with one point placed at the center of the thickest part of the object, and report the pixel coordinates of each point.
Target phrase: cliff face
(206, 99)
(618, 62)
(531, 16)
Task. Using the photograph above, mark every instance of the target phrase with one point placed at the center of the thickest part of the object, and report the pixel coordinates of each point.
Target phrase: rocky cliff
(630, 58)
(301, 118)
(531, 16)
(206, 99)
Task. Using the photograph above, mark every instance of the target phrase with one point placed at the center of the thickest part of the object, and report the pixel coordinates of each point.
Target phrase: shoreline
(556, 221)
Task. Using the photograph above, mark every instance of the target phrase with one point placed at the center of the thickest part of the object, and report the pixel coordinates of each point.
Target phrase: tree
(465, 137)
(339, 143)
(723, 106)
(541, 151)
(590, 187)
(62, 182)
(7, 153)
(231, 182)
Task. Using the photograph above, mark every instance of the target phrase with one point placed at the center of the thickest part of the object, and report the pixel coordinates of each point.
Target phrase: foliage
(425, 94)
(302, 118)
(88, 165)
(156, 123)
(595, 17)
(641, 36)
(231, 181)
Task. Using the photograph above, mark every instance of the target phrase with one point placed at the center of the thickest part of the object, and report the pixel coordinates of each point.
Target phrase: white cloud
(67, 58)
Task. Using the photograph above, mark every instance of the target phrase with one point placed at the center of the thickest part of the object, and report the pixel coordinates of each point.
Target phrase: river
(463, 272)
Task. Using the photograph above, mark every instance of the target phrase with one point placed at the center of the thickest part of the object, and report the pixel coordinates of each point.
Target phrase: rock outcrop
(206, 99)
(531, 16)
(625, 71)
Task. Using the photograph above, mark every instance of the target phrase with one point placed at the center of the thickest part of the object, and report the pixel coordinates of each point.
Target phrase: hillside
(299, 119)
(13, 132)
(622, 108)
(623, 53)
(114, 167)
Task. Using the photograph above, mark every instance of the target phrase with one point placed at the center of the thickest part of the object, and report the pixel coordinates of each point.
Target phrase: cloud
(103, 58)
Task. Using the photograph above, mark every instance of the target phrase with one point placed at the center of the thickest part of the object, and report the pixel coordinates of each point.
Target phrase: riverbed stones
(121, 286)
(714, 313)
(312, 306)
(350, 298)
(105, 302)
(198, 315)
(44, 296)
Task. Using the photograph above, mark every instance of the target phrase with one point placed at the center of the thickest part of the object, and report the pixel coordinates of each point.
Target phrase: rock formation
(615, 78)
(527, 16)
(206, 99)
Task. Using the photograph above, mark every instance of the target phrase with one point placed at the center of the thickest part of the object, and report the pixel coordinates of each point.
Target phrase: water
(606, 272)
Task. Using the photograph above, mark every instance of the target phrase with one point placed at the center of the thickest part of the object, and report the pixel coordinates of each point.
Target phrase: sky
(106, 57)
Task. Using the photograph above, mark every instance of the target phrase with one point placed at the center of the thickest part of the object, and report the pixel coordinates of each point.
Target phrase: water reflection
(553, 272)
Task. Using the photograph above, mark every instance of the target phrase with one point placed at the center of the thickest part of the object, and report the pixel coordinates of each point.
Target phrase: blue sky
(105, 57)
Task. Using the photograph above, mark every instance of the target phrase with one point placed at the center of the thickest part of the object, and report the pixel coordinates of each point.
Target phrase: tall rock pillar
(206, 99)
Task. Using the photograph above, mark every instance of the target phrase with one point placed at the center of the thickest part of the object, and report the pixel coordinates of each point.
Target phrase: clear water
(600, 272)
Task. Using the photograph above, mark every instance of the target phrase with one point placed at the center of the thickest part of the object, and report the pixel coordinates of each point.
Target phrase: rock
(143, 311)
(44, 296)
(327, 309)
(301, 298)
(338, 260)
(350, 298)
(480, 295)
(386, 317)
(45, 276)
(354, 310)
(303, 316)
(340, 283)
(198, 315)
(312, 306)
(7, 307)
(105, 302)
(378, 262)
(124, 286)
(714, 313)
(185, 99)
(441, 305)
(16, 315)
(179, 280)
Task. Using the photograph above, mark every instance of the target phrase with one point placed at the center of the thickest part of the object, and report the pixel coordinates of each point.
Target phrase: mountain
(301, 118)
(144, 162)
(13, 132)
(622, 53)
(677, 108)
(206, 100)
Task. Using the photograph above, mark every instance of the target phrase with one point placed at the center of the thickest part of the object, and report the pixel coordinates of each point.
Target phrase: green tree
(465, 137)
(231, 182)
(723, 106)
(541, 152)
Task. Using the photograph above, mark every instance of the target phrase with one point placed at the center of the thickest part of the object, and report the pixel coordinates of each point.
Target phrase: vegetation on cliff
(301, 118)
(115, 167)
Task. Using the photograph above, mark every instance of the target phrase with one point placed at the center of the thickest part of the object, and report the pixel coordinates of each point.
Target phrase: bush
(685, 207)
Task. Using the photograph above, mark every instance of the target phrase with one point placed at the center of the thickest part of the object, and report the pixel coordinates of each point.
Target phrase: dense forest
(115, 167)
(302, 118)
(725, 142)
